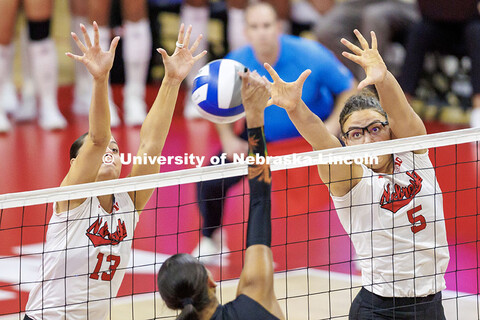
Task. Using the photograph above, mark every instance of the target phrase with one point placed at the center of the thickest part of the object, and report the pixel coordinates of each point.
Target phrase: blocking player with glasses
(357, 134)
(392, 210)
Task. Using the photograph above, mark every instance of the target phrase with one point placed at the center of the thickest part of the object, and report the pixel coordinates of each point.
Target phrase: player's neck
(106, 202)
(386, 167)
(209, 310)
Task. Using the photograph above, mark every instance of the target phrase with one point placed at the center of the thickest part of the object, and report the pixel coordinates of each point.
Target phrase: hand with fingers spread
(368, 58)
(98, 62)
(286, 94)
(179, 64)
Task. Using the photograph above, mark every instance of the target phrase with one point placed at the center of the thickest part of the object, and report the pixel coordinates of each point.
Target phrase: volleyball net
(317, 270)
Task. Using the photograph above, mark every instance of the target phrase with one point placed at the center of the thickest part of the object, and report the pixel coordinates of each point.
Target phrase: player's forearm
(255, 118)
(259, 178)
(403, 120)
(341, 99)
(99, 113)
(332, 123)
(312, 128)
(225, 132)
(155, 128)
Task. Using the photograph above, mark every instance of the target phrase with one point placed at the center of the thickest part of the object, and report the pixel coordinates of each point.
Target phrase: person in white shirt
(392, 210)
(88, 242)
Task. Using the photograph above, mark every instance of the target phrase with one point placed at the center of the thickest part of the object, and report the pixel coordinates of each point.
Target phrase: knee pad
(39, 30)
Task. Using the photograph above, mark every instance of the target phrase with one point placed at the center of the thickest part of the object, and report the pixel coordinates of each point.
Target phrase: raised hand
(286, 94)
(98, 62)
(255, 91)
(368, 58)
(179, 64)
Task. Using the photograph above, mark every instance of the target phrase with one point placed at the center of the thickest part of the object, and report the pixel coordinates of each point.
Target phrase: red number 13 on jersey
(415, 220)
(106, 275)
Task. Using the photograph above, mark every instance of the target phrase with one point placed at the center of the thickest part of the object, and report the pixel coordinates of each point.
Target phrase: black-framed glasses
(358, 133)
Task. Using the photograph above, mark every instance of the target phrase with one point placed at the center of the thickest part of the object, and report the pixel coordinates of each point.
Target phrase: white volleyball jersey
(396, 224)
(85, 258)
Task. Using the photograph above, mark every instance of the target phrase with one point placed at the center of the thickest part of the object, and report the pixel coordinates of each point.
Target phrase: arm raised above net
(339, 178)
(84, 168)
(157, 123)
(256, 279)
(402, 119)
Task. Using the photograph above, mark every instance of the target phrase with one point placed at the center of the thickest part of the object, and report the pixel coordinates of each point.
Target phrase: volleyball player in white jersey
(88, 242)
(393, 210)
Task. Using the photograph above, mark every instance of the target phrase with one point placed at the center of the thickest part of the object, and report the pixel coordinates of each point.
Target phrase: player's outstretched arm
(288, 95)
(256, 280)
(85, 167)
(402, 119)
(157, 123)
(338, 177)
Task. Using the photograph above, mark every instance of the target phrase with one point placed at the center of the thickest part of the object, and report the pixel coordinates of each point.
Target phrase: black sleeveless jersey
(242, 308)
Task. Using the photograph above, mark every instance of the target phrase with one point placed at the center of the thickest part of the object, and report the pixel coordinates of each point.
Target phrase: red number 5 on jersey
(414, 220)
(106, 275)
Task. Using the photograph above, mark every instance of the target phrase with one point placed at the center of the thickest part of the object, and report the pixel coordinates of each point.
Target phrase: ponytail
(182, 283)
(188, 313)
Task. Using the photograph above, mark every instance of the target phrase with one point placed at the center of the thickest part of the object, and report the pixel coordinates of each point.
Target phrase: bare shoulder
(64, 206)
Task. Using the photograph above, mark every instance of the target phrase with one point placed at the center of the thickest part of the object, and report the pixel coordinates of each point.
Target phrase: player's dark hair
(182, 283)
(77, 145)
(365, 99)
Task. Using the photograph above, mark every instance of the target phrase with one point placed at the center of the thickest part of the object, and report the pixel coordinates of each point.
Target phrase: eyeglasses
(358, 134)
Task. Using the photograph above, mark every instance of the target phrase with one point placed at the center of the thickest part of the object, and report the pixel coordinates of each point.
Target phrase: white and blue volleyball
(217, 91)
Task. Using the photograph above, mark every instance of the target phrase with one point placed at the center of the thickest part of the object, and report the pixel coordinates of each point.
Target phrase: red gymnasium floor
(33, 159)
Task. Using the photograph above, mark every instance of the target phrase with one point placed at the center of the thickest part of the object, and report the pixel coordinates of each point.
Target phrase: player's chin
(377, 162)
(264, 47)
(108, 172)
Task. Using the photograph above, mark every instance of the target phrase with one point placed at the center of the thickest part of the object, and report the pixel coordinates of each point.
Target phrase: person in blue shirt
(325, 92)
(293, 54)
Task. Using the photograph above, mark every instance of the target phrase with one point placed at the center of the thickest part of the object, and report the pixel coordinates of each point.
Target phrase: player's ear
(210, 282)
(71, 161)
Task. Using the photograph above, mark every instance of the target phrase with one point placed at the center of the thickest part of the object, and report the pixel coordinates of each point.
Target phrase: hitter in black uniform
(185, 284)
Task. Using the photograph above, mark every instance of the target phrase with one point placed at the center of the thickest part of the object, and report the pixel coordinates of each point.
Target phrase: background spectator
(325, 92)
(390, 19)
(41, 53)
(448, 27)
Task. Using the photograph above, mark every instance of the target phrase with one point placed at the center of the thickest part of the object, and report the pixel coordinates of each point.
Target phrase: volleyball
(217, 90)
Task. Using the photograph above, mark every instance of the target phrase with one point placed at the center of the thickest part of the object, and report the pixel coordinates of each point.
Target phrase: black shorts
(368, 305)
